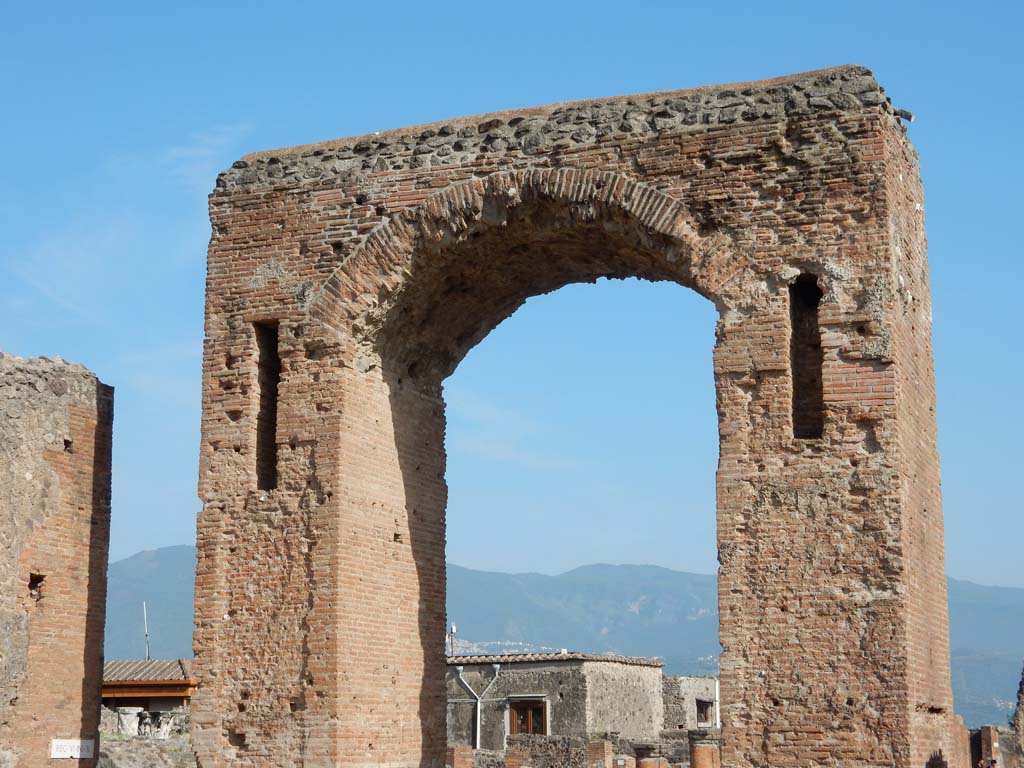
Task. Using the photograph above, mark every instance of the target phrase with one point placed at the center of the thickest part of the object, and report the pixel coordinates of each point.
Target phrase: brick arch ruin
(439, 277)
(346, 280)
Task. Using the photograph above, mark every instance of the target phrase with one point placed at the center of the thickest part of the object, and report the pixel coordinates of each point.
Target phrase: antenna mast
(145, 627)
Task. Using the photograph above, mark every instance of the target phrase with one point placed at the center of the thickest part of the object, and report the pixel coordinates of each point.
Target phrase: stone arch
(422, 290)
(320, 602)
(366, 288)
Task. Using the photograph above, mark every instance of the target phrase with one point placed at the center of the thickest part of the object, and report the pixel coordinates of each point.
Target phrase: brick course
(55, 433)
(384, 259)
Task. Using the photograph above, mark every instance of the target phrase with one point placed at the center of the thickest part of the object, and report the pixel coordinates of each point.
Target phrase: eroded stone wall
(55, 433)
(380, 261)
(550, 751)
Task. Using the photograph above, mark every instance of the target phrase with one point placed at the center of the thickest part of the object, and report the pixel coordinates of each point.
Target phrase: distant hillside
(639, 610)
(630, 609)
(164, 578)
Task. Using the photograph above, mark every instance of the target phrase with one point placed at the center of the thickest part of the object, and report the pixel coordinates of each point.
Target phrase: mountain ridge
(634, 610)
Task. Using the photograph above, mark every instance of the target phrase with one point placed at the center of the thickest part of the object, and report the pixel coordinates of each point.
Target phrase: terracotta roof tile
(142, 669)
(522, 658)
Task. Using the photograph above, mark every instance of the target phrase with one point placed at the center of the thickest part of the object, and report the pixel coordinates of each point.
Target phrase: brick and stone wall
(347, 279)
(550, 751)
(55, 440)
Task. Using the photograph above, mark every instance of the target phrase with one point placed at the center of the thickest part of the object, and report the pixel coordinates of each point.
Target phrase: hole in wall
(568, 420)
(35, 586)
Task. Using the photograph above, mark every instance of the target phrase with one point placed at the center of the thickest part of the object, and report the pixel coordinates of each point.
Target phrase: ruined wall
(625, 699)
(551, 751)
(927, 605)
(376, 263)
(55, 433)
(680, 694)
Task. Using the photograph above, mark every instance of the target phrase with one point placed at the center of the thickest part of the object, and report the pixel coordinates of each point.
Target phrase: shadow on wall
(99, 542)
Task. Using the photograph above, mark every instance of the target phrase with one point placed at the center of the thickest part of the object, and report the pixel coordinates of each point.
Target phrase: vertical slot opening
(805, 358)
(268, 380)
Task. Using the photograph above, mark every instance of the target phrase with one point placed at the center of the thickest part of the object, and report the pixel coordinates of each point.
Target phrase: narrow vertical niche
(268, 381)
(805, 358)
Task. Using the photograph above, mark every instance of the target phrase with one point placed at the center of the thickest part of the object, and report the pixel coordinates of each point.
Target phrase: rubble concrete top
(566, 126)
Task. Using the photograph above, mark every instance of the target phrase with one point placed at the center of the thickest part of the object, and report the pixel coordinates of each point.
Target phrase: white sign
(74, 748)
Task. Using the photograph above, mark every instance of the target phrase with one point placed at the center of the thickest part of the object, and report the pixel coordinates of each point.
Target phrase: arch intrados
(521, 234)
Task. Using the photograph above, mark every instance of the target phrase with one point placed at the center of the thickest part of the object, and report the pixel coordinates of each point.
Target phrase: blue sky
(589, 414)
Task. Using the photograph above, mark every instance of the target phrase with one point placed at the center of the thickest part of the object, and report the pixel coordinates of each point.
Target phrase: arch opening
(581, 447)
(455, 281)
(518, 243)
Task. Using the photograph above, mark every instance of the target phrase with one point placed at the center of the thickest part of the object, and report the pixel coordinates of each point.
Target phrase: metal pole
(145, 627)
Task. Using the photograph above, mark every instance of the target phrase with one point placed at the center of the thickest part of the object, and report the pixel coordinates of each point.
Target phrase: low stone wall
(551, 751)
(141, 752)
(131, 738)
(488, 758)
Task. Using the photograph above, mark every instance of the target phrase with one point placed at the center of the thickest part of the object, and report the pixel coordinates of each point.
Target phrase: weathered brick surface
(384, 259)
(55, 432)
(599, 754)
(459, 756)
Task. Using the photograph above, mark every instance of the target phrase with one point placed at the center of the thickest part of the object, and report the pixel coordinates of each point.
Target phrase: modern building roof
(147, 669)
(525, 658)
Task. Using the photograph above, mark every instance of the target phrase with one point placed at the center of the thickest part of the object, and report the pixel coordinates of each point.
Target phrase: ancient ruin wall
(55, 433)
(346, 280)
(927, 604)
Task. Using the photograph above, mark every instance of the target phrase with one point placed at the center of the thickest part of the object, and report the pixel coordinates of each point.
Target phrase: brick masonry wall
(927, 605)
(384, 259)
(55, 440)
